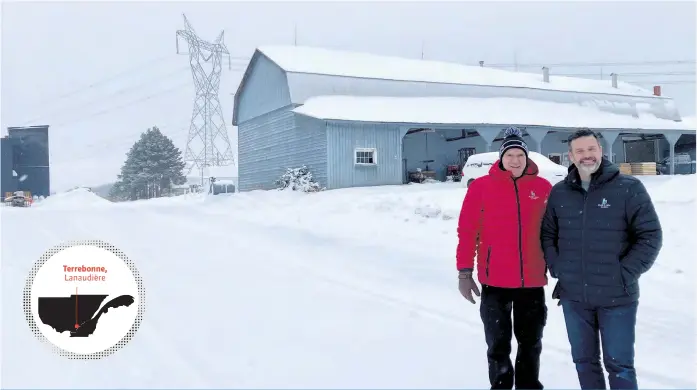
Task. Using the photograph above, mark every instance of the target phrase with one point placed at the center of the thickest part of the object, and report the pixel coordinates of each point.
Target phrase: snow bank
(474, 111)
(382, 259)
(426, 203)
(672, 189)
(74, 199)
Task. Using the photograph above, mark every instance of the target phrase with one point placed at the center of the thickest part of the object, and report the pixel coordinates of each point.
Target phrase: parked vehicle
(684, 165)
(18, 199)
(452, 171)
(479, 164)
(218, 186)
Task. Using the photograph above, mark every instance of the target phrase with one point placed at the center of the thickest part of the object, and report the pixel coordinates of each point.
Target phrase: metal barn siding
(31, 159)
(271, 143)
(8, 183)
(344, 137)
(265, 89)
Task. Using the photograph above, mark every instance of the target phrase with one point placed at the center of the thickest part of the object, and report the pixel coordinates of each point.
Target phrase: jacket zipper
(583, 247)
(488, 256)
(520, 234)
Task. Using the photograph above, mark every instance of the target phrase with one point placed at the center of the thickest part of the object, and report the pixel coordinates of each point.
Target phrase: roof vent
(545, 74)
(614, 80)
(481, 63)
(657, 90)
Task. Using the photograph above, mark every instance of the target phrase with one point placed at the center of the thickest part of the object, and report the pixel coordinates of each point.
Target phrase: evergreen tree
(152, 167)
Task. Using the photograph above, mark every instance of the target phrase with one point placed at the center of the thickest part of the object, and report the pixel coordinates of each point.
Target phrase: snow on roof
(474, 111)
(299, 59)
(690, 122)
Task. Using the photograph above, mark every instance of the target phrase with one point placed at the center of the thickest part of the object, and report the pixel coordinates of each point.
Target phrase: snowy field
(351, 288)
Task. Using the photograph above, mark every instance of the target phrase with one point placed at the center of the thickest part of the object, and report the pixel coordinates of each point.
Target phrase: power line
(110, 78)
(130, 138)
(662, 82)
(116, 93)
(591, 64)
(128, 104)
(631, 74)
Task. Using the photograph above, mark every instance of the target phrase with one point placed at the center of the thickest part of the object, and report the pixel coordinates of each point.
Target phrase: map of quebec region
(76, 313)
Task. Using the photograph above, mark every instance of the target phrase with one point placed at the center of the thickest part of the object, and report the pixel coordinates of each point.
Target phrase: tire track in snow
(472, 326)
(291, 237)
(287, 235)
(264, 251)
(151, 331)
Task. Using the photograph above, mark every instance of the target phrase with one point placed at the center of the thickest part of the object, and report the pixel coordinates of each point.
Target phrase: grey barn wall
(344, 137)
(271, 138)
(265, 90)
(273, 142)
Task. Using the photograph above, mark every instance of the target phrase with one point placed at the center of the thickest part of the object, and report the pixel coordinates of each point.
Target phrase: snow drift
(74, 199)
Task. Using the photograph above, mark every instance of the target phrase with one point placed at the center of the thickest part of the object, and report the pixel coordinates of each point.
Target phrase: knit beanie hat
(513, 138)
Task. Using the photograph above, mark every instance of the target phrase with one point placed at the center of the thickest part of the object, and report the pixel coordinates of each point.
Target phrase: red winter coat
(500, 221)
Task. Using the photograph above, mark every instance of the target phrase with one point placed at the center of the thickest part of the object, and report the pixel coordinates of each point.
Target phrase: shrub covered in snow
(298, 179)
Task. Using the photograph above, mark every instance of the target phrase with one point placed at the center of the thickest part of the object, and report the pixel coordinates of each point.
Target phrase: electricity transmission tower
(208, 143)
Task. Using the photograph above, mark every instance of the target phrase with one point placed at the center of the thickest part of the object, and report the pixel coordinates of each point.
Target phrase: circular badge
(84, 298)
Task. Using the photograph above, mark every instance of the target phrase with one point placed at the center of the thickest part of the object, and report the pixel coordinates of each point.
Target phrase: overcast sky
(53, 52)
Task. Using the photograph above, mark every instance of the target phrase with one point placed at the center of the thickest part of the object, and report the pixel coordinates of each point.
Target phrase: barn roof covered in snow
(309, 72)
(479, 111)
(300, 59)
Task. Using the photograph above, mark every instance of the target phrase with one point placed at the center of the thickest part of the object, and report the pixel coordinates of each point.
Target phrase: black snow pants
(529, 319)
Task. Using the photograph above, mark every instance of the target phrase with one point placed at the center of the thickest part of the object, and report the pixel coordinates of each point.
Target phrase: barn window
(366, 156)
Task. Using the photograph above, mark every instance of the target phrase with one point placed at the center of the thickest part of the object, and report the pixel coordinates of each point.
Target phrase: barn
(359, 119)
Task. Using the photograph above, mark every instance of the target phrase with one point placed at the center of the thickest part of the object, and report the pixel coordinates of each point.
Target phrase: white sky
(53, 52)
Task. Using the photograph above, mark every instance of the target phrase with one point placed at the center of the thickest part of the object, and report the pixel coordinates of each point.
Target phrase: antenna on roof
(422, 49)
(295, 34)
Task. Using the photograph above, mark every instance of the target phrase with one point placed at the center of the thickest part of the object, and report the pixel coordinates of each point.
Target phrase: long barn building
(359, 119)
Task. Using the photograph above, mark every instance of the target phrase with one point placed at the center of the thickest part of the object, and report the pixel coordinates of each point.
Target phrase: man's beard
(588, 169)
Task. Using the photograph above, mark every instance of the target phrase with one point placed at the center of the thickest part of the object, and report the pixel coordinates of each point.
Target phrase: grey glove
(467, 285)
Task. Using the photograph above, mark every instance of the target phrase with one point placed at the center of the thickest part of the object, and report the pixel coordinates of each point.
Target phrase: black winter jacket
(598, 243)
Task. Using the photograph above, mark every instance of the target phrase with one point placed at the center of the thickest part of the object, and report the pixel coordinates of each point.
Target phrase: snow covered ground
(351, 288)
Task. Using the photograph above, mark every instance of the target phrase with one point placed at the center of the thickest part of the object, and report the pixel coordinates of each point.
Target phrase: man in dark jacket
(600, 233)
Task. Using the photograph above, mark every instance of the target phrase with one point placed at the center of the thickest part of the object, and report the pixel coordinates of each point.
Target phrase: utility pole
(295, 34)
(207, 132)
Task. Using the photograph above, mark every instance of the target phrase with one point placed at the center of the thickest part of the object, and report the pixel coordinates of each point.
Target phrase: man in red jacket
(500, 224)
